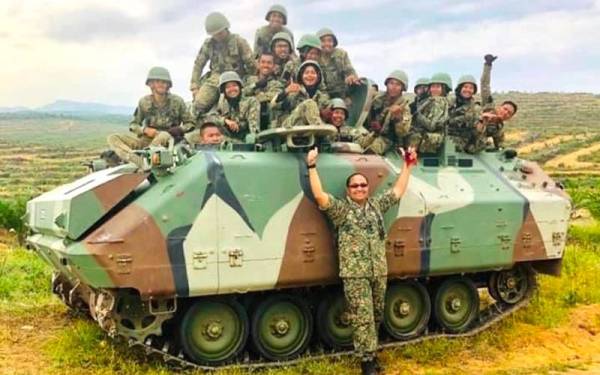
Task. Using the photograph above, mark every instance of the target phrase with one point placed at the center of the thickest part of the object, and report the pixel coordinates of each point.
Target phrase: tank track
(489, 316)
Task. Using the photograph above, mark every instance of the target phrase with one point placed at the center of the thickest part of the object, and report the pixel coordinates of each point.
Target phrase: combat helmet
(423, 81)
(337, 103)
(304, 65)
(215, 23)
(327, 31)
(159, 73)
(309, 40)
(399, 75)
(442, 78)
(282, 35)
(467, 78)
(279, 9)
(229, 76)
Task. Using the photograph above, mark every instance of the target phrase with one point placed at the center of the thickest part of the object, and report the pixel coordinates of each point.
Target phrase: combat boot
(369, 367)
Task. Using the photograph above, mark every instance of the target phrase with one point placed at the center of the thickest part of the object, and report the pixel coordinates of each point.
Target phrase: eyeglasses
(354, 186)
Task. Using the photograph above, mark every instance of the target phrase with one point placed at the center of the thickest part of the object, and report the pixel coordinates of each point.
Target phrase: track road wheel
(214, 331)
(333, 321)
(407, 310)
(456, 304)
(511, 286)
(281, 327)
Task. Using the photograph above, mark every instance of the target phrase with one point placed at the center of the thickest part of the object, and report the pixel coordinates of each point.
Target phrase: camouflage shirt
(431, 116)
(463, 115)
(336, 68)
(173, 113)
(345, 133)
(393, 130)
(283, 108)
(263, 94)
(246, 113)
(359, 234)
(264, 36)
(233, 53)
(280, 68)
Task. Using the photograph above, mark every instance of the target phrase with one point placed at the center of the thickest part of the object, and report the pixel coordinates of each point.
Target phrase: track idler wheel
(511, 286)
(333, 321)
(456, 304)
(214, 331)
(407, 310)
(281, 327)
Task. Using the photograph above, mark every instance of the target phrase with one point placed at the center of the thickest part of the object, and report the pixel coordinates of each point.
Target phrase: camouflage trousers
(365, 298)
(426, 142)
(306, 113)
(207, 95)
(124, 144)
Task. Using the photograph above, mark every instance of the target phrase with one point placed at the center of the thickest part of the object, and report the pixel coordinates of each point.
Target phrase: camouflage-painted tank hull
(244, 224)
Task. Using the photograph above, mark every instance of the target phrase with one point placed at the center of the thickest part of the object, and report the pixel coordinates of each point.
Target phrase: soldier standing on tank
(277, 18)
(359, 224)
(421, 91)
(226, 52)
(337, 68)
(429, 122)
(309, 48)
(282, 50)
(158, 119)
(302, 102)
(264, 87)
(389, 116)
(237, 115)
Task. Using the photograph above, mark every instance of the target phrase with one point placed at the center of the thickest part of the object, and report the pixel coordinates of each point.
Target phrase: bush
(11, 216)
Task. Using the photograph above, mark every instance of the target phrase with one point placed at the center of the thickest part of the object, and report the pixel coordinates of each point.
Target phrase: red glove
(326, 114)
(376, 127)
(410, 156)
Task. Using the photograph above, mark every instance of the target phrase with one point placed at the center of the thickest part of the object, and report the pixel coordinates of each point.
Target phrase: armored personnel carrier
(214, 257)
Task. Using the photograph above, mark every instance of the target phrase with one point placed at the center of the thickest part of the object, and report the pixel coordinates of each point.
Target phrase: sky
(101, 50)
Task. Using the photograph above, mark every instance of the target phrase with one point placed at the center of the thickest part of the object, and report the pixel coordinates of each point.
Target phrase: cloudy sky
(101, 50)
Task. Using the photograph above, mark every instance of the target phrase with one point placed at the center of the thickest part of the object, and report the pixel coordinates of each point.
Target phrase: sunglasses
(354, 186)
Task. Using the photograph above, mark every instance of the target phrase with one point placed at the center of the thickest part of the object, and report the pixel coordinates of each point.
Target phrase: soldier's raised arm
(486, 91)
(201, 60)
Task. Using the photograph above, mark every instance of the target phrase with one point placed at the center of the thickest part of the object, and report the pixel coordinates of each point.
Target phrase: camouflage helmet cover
(159, 73)
(399, 75)
(282, 35)
(423, 81)
(337, 103)
(279, 9)
(442, 78)
(467, 78)
(304, 65)
(229, 76)
(215, 23)
(327, 31)
(309, 40)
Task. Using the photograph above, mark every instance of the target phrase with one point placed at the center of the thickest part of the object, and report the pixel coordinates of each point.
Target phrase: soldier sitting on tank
(463, 114)
(209, 133)
(226, 52)
(281, 48)
(301, 102)
(337, 68)
(264, 87)
(358, 220)
(237, 115)
(339, 114)
(421, 91)
(277, 18)
(428, 126)
(389, 117)
(491, 121)
(158, 119)
(309, 48)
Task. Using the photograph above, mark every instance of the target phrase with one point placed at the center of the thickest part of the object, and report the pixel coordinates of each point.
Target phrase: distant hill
(71, 107)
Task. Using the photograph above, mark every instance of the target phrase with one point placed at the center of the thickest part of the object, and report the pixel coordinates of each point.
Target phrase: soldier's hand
(396, 110)
(232, 125)
(150, 132)
(293, 88)
(376, 127)
(311, 157)
(410, 156)
(489, 59)
(489, 116)
(353, 80)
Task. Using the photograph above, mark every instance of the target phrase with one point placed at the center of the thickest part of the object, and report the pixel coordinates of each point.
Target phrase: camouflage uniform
(263, 37)
(300, 108)
(245, 111)
(394, 130)
(463, 116)
(428, 124)
(232, 54)
(264, 96)
(363, 266)
(336, 68)
(492, 129)
(346, 133)
(147, 114)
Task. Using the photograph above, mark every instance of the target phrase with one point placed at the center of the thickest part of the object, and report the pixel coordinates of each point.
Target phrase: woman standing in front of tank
(358, 220)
